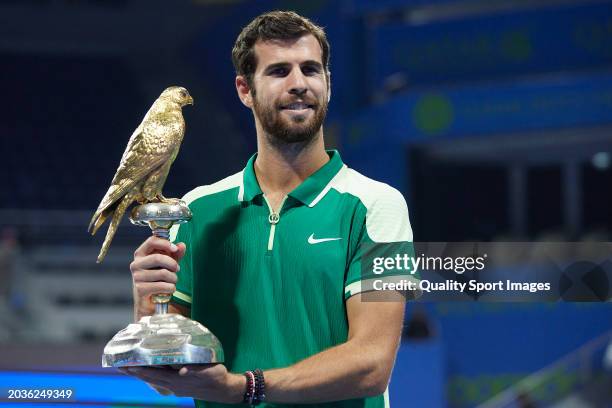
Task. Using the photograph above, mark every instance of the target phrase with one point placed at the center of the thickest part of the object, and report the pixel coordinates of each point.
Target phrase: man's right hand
(154, 271)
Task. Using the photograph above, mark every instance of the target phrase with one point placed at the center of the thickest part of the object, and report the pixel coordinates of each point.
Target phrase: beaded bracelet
(260, 387)
(250, 388)
(255, 392)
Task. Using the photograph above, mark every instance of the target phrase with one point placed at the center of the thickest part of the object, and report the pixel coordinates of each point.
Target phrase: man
(273, 260)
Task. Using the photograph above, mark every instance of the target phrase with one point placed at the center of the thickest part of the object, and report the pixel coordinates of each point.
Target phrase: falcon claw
(165, 200)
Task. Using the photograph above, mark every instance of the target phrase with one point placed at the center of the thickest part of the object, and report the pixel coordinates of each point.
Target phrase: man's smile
(298, 107)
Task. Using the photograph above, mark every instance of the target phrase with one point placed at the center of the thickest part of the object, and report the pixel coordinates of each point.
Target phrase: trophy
(164, 338)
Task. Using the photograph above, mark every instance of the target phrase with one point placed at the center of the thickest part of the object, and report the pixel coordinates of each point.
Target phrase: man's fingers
(155, 376)
(155, 275)
(160, 390)
(153, 288)
(155, 261)
(199, 370)
(155, 244)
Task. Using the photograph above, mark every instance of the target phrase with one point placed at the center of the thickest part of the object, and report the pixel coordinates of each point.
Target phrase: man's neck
(280, 169)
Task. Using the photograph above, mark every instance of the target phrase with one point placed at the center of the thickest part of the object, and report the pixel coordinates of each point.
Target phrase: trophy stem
(163, 233)
(161, 308)
(161, 299)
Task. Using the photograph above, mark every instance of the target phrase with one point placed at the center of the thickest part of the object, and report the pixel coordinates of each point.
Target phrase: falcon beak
(190, 100)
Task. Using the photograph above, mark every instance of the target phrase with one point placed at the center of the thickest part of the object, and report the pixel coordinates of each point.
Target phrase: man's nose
(298, 91)
(298, 83)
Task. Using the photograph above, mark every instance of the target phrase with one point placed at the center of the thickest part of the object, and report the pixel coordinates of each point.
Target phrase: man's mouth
(297, 106)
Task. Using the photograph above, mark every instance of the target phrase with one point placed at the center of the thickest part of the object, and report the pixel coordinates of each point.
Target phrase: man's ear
(328, 86)
(244, 91)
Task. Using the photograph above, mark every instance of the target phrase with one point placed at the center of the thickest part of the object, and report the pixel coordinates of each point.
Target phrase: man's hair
(274, 25)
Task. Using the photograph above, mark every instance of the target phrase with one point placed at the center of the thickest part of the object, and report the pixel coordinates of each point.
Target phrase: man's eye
(310, 70)
(279, 71)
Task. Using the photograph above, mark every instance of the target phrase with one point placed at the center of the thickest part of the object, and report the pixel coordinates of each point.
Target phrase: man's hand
(154, 271)
(208, 382)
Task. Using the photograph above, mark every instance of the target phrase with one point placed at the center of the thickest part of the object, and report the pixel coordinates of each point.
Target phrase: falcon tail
(98, 219)
(112, 228)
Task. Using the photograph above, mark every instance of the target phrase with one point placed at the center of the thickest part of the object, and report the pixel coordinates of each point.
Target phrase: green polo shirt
(272, 287)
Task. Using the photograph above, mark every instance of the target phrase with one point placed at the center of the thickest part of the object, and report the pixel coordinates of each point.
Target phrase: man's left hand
(208, 382)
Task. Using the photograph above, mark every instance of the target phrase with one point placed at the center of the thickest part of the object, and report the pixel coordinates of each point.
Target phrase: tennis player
(275, 260)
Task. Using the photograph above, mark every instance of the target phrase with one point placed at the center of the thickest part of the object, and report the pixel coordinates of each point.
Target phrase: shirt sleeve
(184, 285)
(383, 252)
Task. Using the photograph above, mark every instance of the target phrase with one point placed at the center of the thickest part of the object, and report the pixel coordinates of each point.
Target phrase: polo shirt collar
(309, 190)
(250, 187)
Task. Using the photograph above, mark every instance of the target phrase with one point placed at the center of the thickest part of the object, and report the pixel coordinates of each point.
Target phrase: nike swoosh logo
(313, 240)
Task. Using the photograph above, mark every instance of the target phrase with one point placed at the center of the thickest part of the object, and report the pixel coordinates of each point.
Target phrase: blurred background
(494, 118)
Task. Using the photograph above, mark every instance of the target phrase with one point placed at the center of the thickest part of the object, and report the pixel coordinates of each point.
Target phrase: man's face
(290, 90)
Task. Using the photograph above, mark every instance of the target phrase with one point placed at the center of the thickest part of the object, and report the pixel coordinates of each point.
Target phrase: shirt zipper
(273, 219)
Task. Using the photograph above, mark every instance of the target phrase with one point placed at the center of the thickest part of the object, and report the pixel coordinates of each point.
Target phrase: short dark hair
(274, 25)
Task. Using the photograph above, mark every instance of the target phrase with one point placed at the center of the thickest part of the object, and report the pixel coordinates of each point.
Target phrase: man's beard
(295, 129)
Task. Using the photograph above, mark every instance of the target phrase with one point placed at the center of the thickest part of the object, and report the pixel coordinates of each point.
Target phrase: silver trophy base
(162, 339)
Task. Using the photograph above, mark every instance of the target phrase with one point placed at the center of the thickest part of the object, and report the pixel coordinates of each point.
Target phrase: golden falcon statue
(145, 163)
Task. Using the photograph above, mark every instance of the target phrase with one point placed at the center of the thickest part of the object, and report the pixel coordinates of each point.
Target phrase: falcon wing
(147, 149)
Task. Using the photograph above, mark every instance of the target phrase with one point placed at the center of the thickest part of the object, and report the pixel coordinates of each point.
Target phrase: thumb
(185, 371)
(197, 370)
(181, 250)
